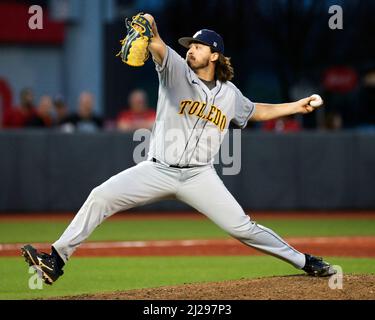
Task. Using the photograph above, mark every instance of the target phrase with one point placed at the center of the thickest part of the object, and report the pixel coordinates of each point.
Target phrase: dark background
(279, 49)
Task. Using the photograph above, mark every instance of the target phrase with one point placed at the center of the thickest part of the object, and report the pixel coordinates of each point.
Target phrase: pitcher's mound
(298, 287)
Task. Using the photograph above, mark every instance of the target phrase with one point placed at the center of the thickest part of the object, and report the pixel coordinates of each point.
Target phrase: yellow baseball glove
(134, 50)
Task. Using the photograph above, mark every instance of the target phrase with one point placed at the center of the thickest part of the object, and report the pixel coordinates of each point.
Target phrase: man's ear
(214, 56)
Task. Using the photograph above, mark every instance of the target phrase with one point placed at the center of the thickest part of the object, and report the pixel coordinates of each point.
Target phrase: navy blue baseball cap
(207, 37)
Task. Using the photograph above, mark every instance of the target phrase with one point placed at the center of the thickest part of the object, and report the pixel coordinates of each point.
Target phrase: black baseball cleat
(45, 263)
(316, 267)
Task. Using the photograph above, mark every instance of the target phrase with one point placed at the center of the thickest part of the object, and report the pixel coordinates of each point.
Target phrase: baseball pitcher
(196, 103)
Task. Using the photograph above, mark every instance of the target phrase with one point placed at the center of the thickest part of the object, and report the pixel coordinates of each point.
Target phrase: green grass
(45, 231)
(325, 227)
(90, 275)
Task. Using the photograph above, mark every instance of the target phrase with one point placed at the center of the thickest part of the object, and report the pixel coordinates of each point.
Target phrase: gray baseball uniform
(190, 125)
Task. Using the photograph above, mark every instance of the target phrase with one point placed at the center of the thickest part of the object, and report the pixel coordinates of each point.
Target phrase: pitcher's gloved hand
(134, 50)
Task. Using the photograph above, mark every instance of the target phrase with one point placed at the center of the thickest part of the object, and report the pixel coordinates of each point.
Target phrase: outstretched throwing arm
(264, 112)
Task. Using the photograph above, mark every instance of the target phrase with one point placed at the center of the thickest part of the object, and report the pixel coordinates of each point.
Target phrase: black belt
(171, 165)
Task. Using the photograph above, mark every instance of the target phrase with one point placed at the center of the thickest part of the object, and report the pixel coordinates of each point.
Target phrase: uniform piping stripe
(283, 242)
(213, 102)
(187, 143)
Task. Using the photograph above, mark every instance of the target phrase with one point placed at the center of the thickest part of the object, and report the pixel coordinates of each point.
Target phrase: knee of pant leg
(244, 231)
(100, 194)
(100, 204)
(240, 234)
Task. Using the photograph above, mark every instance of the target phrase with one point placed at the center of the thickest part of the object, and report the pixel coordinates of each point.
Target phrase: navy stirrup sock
(60, 262)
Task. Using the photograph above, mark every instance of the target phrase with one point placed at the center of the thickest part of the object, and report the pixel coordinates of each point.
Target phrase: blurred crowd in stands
(279, 57)
(53, 113)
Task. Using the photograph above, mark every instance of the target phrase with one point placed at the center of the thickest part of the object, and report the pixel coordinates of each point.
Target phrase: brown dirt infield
(298, 287)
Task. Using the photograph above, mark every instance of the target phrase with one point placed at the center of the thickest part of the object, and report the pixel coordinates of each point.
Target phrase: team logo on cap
(197, 34)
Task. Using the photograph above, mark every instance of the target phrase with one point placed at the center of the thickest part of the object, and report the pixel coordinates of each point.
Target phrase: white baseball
(317, 101)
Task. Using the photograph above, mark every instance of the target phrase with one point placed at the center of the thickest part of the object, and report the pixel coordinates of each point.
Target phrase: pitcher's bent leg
(135, 186)
(208, 194)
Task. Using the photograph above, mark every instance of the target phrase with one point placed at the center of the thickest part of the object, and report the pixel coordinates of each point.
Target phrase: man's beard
(194, 66)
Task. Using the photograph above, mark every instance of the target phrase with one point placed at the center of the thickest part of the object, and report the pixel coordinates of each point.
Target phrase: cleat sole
(42, 275)
(29, 259)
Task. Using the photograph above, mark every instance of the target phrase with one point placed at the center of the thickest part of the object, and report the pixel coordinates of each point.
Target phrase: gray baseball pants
(199, 187)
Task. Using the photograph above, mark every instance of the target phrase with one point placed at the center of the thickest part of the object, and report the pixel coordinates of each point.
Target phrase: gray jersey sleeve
(244, 109)
(172, 69)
